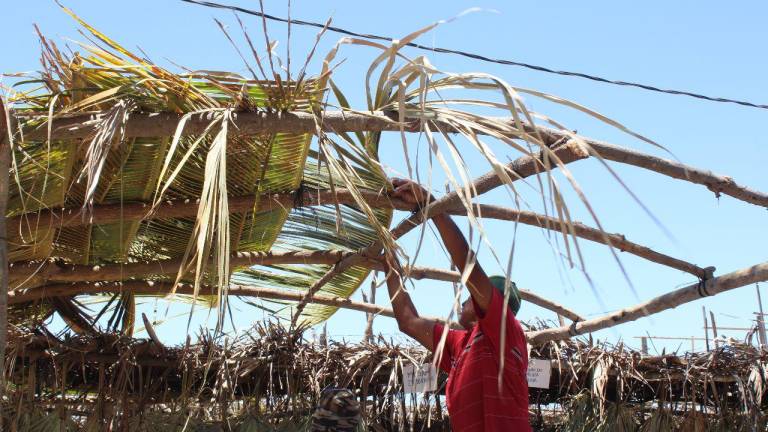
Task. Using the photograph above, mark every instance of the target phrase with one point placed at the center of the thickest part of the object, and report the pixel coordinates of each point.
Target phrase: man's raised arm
(408, 319)
(479, 285)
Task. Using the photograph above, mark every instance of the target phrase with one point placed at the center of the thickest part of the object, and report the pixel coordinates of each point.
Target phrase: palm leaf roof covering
(110, 169)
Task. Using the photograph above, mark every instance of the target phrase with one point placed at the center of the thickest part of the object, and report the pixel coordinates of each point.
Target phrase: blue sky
(703, 46)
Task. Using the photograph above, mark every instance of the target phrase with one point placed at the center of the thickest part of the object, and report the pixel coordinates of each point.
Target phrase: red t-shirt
(475, 398)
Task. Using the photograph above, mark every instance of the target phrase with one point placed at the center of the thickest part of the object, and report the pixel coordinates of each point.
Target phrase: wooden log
(580, 230)
(111, 213)
(151, 332)
(719, 184)
(160, 288)
(250, 123)
(520, 168)
(5, 161)
(117, 272)
(710, 287)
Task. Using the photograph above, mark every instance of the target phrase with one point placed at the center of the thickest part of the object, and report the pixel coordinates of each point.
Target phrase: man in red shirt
(479, 397)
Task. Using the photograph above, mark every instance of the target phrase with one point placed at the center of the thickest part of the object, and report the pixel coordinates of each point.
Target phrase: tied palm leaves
(111, 169)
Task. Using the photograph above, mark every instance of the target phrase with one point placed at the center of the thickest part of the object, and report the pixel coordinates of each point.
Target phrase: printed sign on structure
(419, 379)
(539, 372)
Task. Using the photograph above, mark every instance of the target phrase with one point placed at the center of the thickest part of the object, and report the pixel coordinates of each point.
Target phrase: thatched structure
(128, 180)
(272, 375)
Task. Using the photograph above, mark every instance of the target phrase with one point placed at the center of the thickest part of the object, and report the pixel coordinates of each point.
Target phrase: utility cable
(482, 57)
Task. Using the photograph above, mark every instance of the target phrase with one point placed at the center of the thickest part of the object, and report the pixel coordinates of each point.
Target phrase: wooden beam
(82, 126)
(719, 184)
(520, 168)
(161, 288)
(117, 272)
(5, 161)
(710, 287)
(131, 211)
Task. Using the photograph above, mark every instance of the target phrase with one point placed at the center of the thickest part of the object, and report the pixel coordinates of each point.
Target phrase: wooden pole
(118, 272)
(761, 319)
(644, 345)
(368, 334)
(111, 213)
(710, 287)
(706, 327)
(714, 328)
(159, 288)
(251, 123)
(5, 161)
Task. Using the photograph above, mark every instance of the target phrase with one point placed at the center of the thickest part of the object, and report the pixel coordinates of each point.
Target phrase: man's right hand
(411, 192)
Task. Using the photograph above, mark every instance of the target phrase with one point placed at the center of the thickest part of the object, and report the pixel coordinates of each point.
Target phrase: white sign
(539, 372)
(419, 379)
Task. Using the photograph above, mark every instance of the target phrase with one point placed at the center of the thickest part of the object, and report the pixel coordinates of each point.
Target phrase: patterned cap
(500, 282)
(337, 410)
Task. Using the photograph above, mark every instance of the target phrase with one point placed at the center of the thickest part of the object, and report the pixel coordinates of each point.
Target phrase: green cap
(499, 283)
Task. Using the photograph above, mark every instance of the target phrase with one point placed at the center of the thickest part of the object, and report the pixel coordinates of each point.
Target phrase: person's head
(468, 315)
(337, 410)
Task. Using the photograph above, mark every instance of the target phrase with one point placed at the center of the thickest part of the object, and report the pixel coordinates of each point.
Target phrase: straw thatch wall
(275, 375)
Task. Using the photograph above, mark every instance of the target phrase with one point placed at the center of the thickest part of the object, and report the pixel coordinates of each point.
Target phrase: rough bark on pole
(117, 272)
(714, 182)
(710, 287)
(250, 123)
(133, 211)
(159, 288)
(5, 160)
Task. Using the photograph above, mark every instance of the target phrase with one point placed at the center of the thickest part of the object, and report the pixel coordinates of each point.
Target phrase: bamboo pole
(250, 123)
(710, 287)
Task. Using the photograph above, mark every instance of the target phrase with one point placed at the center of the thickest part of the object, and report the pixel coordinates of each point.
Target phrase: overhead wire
(483, 58)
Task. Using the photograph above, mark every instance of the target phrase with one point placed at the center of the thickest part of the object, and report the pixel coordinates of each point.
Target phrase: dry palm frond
(660, 420)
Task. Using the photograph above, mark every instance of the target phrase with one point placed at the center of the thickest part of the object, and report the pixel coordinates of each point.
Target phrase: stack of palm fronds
(271, 375)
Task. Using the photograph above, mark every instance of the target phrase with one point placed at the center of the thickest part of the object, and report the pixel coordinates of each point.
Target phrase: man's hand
(411, 193)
